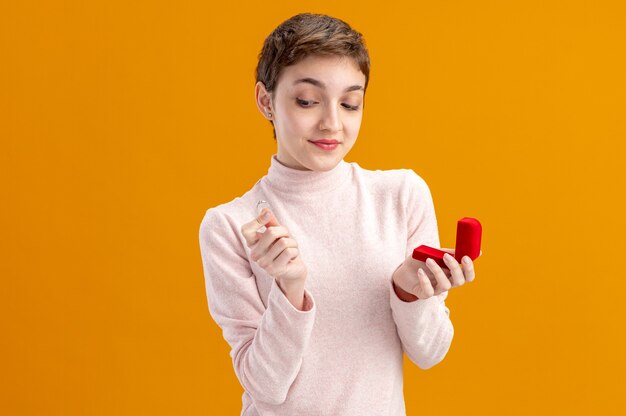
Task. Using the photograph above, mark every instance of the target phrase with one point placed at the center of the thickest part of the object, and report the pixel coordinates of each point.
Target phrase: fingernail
(261, 205)
(266, 216)
(466, 260)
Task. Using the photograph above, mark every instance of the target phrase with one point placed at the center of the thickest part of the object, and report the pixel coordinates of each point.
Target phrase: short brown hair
(309, 34)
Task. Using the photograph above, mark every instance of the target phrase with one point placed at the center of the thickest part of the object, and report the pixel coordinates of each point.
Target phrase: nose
(330, 119)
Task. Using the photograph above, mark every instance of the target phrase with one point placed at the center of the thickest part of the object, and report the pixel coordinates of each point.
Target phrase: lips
(325, 141)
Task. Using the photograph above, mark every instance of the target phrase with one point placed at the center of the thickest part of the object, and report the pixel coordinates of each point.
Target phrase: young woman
(318, 295)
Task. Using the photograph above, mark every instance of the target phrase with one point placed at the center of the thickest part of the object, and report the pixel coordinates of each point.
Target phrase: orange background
(122, 122)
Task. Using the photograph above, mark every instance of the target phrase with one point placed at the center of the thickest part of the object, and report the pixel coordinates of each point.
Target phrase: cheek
(300, 123)
(353, 124)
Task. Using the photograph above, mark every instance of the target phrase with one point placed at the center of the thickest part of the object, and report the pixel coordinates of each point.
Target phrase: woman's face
(320, 97)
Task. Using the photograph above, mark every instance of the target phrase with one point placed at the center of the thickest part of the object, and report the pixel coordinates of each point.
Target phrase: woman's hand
(274, 250)
(426, 279)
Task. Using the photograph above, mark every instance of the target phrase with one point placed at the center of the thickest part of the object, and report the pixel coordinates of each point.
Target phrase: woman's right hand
(274, 250)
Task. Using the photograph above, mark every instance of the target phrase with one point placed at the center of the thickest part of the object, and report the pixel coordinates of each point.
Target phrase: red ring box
(468, 236)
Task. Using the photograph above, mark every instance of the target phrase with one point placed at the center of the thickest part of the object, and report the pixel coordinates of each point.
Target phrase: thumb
(266, 218)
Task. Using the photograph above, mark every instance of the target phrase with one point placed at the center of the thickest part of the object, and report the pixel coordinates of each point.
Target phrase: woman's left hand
(426, 279)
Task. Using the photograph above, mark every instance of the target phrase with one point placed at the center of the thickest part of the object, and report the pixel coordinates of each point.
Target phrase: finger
(448, 250)
(468, 268)
(280, 245)
(268, 238)
(430, 275)
(423, 289)
(443, 283)
(457, 278)
(272, 222)
(275, 249)
(249, 229)
(280, 262)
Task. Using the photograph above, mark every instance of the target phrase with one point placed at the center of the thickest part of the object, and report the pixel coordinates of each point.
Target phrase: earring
(269, 115)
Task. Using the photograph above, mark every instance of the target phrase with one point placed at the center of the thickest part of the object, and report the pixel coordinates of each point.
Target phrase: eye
(351, 107)
(304, 103)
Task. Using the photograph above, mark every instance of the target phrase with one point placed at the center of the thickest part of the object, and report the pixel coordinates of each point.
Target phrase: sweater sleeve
(267, 343)
(424, 326)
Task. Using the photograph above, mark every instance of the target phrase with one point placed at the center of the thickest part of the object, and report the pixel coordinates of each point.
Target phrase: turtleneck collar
(294, 181)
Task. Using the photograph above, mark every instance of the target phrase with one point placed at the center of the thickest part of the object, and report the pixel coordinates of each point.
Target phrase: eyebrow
(321, 85)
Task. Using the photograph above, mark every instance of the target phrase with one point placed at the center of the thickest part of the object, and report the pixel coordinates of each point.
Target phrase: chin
(326, 164)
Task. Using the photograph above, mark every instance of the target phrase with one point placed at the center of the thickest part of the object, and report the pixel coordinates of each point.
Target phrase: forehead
(335, 72)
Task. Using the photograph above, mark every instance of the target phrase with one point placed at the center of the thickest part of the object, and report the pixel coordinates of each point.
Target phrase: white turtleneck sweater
(342, 354)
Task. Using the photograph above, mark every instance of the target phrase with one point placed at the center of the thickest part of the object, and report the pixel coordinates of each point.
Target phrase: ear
(263, 99)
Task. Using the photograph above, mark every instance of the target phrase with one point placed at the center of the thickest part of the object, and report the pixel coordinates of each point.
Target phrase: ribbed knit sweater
(342, 354)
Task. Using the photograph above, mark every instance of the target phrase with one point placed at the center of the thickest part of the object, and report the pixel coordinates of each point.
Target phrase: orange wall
(122, 122)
